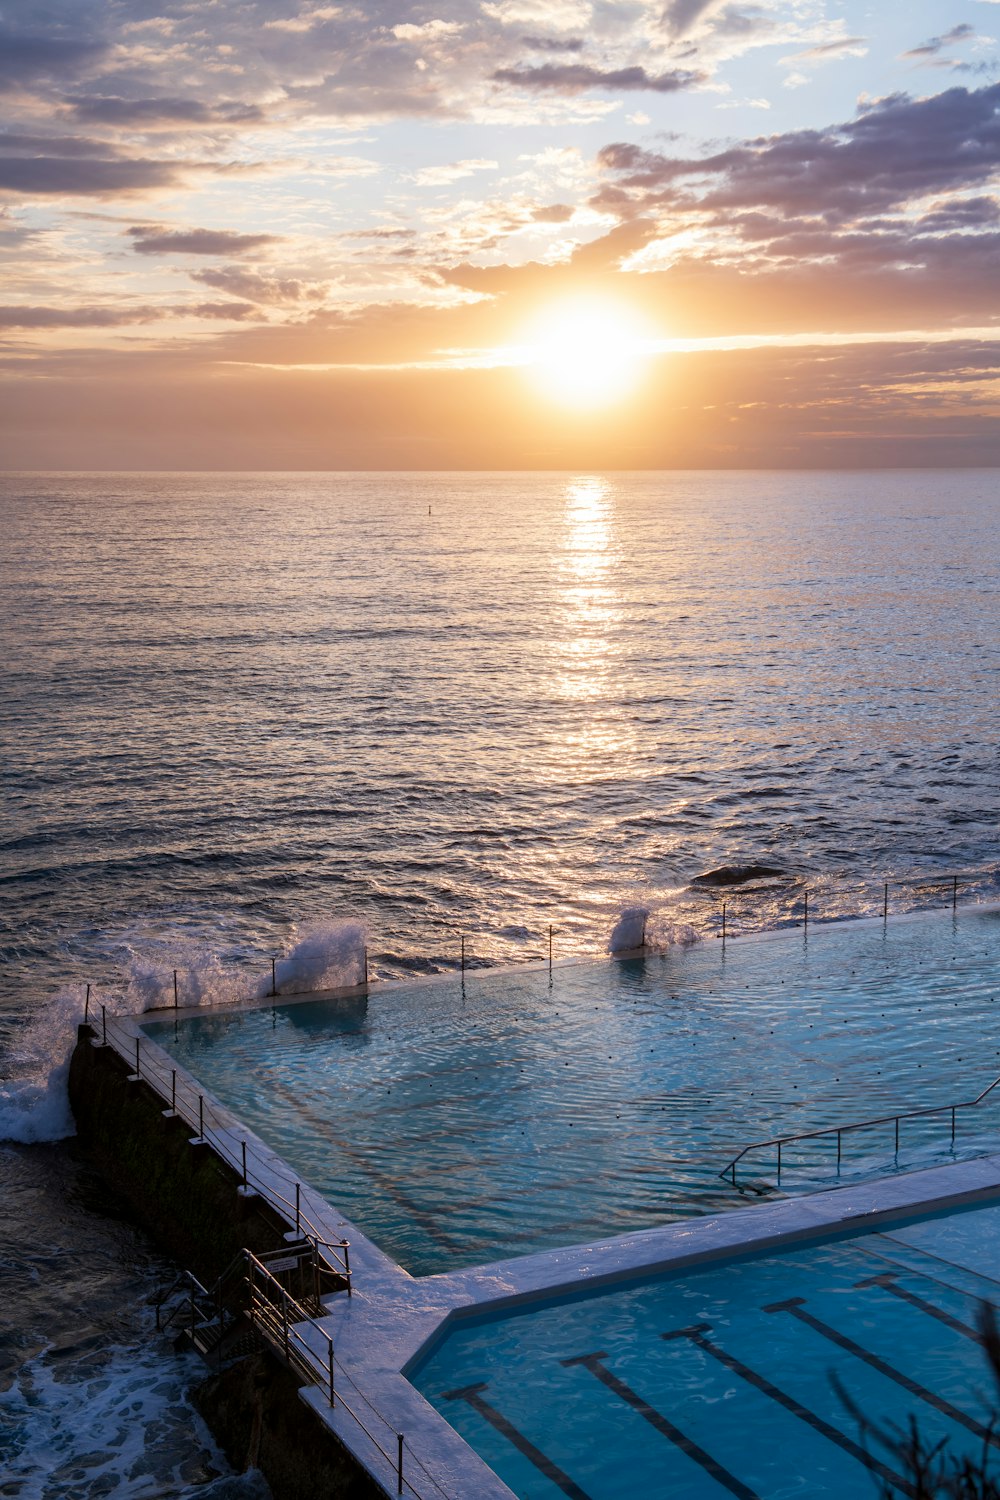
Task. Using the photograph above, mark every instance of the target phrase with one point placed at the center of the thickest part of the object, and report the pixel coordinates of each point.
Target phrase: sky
(264, 234)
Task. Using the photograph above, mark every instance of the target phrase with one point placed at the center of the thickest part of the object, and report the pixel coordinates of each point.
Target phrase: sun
(586, 352)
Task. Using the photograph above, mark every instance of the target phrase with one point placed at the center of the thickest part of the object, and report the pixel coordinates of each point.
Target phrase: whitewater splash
(112, 1421)
(34, 1103)
(649, 928)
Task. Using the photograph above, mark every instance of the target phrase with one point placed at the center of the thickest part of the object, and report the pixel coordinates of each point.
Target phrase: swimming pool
(725, 1380)
(462, 1122)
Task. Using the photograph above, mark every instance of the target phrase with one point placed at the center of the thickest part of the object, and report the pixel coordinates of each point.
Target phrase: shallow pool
(753, 1379)
(458, 1123)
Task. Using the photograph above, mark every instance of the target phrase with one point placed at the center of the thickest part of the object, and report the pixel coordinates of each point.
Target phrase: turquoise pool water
(523, 1110)
(725, 1381)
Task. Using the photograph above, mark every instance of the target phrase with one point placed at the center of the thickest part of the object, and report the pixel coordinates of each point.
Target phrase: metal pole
(347, 1263)
(953, 1125)
(779, 1158)
(137, 1056)
(284, 1321)
(86, 1007)
(104, 1024)
(897, 1135)
(550, 945)
(331, 1373)
(274, 983)
(244, 1145)
(399, 1465)
(173, 1090)
(201, 1117)
(954, 893)
(463, 955)
(175, 989)
(838, 1150)
(723, 921)
(298, 1190)
(366, 963)
(885, 901)
(805, 916)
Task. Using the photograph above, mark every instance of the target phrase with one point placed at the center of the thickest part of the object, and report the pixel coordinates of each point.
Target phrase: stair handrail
(729, 1170)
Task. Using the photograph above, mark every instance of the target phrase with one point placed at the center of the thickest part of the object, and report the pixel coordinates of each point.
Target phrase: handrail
(841, 1130)
(318, 1370)
(189, 1105)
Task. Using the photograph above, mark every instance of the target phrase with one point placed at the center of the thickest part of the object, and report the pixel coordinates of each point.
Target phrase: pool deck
(393, 1319)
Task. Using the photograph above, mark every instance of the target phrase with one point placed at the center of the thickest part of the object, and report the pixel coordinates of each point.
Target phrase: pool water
(753, 1379)
(462, 1122)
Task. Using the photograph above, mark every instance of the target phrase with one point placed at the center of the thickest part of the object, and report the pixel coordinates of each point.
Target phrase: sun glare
(586, 353)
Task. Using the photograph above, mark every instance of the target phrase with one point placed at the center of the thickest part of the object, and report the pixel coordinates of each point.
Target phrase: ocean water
(300, 715)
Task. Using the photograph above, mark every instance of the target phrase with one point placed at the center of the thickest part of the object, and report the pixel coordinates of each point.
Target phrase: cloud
(453, 172)
(680, 16)
(74, 176)
(574, 78)
(937, 44)
(553, 43)
(111, 109)
(894, 151)
(26, 56)
(76, 317)
(847, 46)
(238, 311)
(197, 241)
(252, 286)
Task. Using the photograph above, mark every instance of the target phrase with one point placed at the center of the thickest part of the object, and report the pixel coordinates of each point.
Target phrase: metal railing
(273, 1313)
(778, 1142)
(257, 1176)
(728, 896)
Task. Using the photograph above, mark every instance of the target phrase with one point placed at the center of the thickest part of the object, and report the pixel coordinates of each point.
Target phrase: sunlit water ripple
(455, 705)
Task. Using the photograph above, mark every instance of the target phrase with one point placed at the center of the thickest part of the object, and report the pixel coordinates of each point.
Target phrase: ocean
(248, 715)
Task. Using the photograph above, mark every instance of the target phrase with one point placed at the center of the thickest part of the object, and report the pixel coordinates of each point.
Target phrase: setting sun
(586, 353)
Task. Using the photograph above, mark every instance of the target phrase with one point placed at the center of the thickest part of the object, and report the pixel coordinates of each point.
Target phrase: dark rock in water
(737, 874)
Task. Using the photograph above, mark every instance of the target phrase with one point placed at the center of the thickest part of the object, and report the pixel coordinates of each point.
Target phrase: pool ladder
(729, 1170)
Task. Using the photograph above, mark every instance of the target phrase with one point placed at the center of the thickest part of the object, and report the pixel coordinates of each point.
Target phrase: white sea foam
(112, 1422)
(34, 1105)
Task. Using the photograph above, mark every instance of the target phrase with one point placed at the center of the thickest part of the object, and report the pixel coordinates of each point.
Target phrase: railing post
(332, 1402)
(244, 1145)
(366, 963)
(723, 921)
(173, 1090)
(298, 1194)
(805, 910)
(345, 1246)
(104, 1025)
(175, 989)
(839, 1144)
(274, 984)
(897, 1135)
(463, 955)
(284, 1322)
(550, 945)
(137, 1073)
(885, 901)
(954, 892)
(953, 1126)
(779, 1159)
(86, 1007)
(399, 1464)
(201, 1117)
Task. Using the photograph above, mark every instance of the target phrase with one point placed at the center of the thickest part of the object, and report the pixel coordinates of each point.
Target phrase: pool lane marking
(953, 1265)
(698, 1335)
(887, 1282)
(541, 1461)
(795, 1306)
(592, 1362)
